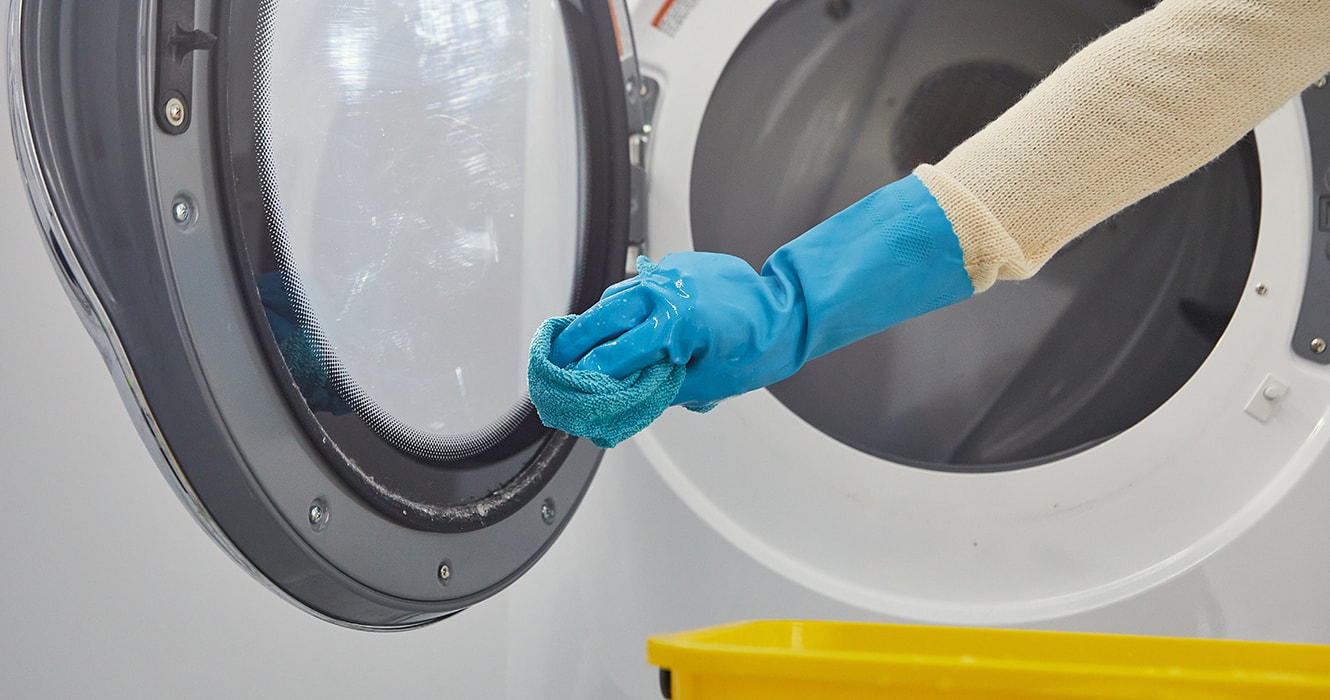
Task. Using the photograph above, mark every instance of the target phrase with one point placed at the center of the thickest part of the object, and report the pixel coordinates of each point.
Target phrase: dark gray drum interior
(827, 101)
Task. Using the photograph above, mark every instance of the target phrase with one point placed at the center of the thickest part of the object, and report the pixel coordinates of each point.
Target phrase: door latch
(177, 40)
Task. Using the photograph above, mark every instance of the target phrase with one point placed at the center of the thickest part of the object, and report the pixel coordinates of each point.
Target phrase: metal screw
(445, 572)
(1318, 345)
(175, 112)
(1262, 289)
(547, 511)
(318, 514)
(181, 211)
(1320, 83)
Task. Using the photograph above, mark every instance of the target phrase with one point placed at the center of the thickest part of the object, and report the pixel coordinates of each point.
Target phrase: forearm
(1140, 108)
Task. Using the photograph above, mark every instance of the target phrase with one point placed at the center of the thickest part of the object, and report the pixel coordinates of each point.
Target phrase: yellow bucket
(847, 661)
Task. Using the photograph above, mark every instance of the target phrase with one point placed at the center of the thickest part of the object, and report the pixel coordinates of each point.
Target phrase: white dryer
(311, 240)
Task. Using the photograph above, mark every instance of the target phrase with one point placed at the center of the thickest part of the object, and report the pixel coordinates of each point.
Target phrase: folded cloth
(592, 404)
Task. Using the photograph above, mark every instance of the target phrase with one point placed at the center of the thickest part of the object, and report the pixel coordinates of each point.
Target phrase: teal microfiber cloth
(299, 348)
(592, 404)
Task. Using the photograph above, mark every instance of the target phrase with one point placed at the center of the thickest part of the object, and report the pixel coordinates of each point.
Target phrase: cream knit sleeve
(1140, 108)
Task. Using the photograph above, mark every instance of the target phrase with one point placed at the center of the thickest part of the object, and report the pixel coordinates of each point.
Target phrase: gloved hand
(891, 256)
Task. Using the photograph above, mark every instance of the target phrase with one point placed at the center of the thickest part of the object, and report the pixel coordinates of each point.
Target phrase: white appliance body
(1199, 521)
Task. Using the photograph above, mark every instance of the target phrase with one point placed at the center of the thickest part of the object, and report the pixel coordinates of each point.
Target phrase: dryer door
(312, 240)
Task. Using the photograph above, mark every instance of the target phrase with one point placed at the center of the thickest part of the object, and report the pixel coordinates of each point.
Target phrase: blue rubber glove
(887, 258)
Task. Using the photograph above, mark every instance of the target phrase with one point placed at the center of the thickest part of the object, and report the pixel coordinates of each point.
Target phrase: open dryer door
(312, 240)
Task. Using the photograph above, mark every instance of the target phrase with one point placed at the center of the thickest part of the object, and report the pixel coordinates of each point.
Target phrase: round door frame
(161, 299)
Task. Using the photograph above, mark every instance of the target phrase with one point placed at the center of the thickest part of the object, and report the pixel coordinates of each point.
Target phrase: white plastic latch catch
(1262, 406)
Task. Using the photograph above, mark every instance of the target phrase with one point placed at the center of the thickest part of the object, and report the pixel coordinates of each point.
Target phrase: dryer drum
(1028, 372)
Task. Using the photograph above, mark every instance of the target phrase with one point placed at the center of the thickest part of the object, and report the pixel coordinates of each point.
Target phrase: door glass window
(422, 202)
